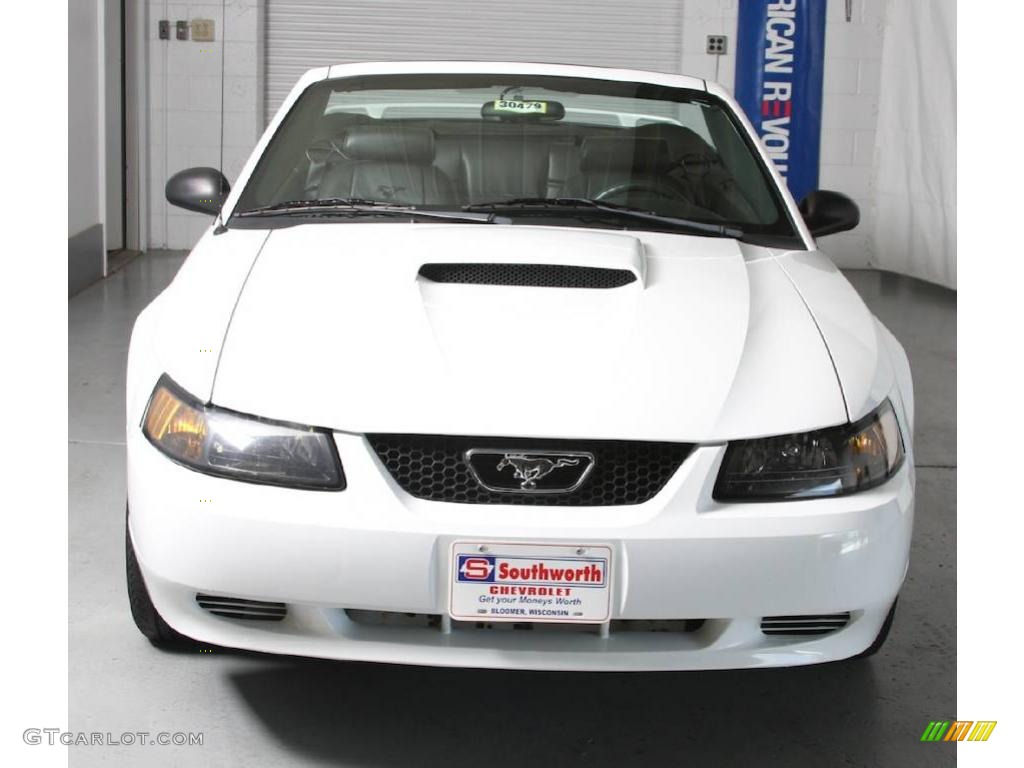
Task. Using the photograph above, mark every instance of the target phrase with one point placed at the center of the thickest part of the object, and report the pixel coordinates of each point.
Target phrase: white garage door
(611, 33)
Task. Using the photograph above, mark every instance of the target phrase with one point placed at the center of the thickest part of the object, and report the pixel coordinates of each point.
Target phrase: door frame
(136, 129)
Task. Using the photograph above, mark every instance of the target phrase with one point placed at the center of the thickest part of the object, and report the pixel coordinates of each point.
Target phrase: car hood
(336, 327)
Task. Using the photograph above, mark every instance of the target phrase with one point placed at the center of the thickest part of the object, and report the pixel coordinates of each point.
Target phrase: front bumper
(372, 547)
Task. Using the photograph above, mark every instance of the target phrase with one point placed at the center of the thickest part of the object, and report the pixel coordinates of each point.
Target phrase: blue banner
(780, 54)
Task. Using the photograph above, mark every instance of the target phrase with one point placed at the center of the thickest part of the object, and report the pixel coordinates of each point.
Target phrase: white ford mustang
(519, 366)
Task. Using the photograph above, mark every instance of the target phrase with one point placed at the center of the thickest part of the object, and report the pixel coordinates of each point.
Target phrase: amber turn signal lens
(175, 425)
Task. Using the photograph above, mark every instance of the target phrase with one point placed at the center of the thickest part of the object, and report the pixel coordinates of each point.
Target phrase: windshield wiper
(583, 204)
(355, 206)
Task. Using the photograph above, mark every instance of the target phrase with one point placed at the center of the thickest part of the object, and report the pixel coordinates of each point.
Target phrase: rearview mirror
(198, 189)
(519, 110)
(829, 212)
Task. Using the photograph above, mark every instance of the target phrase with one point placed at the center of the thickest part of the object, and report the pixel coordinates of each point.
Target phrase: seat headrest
(334, 125)
(680, 140)
(389, 142)
(622, 154)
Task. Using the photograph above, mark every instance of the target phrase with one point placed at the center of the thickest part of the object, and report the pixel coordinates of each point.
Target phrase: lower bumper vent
(390, 619)
(819, 624)
(239, 608)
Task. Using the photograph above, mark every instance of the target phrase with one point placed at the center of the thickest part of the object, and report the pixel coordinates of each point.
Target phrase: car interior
(453, 162)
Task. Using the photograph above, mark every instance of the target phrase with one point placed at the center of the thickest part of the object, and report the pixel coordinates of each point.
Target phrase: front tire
(147, 618)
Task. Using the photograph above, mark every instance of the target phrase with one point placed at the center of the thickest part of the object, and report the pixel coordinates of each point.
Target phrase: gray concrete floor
(259, 710)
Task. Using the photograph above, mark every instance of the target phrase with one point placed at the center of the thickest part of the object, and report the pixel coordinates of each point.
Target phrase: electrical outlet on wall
(717, 44)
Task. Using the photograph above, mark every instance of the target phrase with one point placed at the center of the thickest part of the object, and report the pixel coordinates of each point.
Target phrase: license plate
(494, 581)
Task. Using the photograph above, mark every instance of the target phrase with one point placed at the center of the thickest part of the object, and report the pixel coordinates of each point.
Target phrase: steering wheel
(658, 188)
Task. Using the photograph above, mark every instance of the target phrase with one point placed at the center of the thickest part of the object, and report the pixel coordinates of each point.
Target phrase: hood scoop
(542, 257)
(530, 275)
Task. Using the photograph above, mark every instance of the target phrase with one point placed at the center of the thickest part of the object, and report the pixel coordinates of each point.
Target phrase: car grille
(534, 275)
(804, 625)
(239, 608)
(433, 467)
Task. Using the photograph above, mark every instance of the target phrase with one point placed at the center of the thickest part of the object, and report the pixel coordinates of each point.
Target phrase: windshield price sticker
(530, 583)
(521, 107)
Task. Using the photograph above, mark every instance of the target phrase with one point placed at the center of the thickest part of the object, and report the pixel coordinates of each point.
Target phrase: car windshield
(539, 149)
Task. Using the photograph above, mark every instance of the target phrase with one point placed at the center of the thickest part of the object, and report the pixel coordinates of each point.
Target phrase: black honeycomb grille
(433, 467)
(535, 275)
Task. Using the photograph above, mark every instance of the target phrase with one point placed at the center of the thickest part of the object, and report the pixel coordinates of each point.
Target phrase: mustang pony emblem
(531, 470)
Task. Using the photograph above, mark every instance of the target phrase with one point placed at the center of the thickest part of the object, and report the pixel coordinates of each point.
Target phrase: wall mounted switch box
(203, 30)
(182, 27)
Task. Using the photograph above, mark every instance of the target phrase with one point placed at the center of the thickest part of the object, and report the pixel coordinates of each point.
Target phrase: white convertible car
(521, 366)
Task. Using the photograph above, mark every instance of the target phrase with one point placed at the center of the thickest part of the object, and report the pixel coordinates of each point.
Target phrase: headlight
(220, 442)
(828, 462)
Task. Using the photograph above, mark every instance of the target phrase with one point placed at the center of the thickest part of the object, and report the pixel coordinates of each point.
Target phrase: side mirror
(829, 212)
(198, 189)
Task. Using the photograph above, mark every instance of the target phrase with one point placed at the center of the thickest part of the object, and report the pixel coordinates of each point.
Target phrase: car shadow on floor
(382, 715)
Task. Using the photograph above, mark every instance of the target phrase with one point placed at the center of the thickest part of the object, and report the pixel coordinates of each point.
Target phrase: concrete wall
(853, 56)
(86, 190)
(204, 105)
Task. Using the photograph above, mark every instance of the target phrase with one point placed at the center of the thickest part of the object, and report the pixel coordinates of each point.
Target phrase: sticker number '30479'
(522, 107)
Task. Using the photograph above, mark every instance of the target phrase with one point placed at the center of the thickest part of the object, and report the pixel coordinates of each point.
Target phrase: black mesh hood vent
(533, 275)
(434, 467)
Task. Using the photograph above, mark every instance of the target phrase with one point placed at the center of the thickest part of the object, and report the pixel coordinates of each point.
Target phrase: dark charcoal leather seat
(387, 162)
(666, 167)
(495, 161)
(609, 162)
